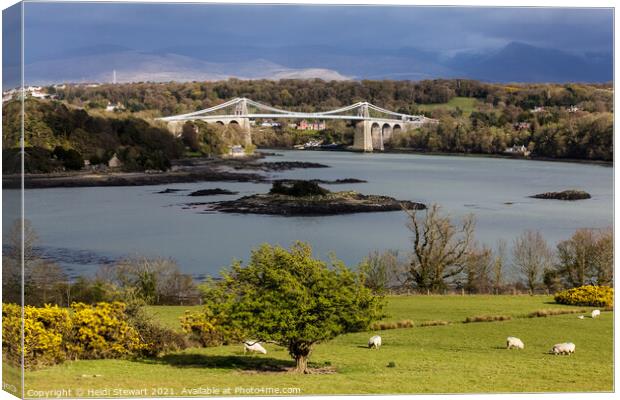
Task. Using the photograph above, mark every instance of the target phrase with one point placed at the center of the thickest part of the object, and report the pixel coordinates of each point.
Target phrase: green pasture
(466, 104)
(454, 358)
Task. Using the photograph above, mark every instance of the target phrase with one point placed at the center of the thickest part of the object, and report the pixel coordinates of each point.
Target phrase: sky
(55, 28)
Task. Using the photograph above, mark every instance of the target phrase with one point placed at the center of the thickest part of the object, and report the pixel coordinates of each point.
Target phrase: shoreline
(205, 169)
(473, 155)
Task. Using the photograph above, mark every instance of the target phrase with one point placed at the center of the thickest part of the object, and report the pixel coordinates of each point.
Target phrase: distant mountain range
(515, 62)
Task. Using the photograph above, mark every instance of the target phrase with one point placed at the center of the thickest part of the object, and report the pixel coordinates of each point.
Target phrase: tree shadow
(246, 363)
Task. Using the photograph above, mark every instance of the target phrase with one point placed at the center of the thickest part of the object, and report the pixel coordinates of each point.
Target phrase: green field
(455, 358)
(466, 104)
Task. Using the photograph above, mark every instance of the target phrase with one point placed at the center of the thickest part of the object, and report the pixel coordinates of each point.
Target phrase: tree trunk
(301, 364)
(300, 351)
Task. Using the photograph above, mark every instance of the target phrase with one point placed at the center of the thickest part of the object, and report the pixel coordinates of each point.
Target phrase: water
(82, 228)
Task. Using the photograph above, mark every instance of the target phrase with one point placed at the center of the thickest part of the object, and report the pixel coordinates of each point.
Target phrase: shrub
(588, 295)
(298, 188)
(435, 323)
(102, 331)
(202, 328)
(156, 339)
(487, 318)
(555, 311)
(382, 326)
(44, 330)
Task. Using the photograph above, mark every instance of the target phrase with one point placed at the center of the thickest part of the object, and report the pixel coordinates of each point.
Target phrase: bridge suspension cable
(201, 114)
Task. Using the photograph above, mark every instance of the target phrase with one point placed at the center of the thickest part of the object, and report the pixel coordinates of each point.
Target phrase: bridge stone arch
(386, 131)
(376, 136)
(220, 123)
(396, 129)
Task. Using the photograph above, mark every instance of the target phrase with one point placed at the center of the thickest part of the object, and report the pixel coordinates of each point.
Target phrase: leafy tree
(292, 299)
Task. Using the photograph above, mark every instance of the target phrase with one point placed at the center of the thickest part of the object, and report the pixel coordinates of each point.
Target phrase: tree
(498, 266)
(153, 280)
(478, 269)
(289, 298)
(531, 256)
(586, 258)
(381, 270)
(440, 249)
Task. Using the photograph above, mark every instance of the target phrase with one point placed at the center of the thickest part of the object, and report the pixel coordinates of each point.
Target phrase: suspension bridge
(373, 125)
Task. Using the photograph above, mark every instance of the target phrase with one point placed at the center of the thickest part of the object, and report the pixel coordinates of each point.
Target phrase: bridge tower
(241, 109)
(362, 140)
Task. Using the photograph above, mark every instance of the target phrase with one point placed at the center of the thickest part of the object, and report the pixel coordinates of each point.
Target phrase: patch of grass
(466, 353)
(487, 318)
(466, 104)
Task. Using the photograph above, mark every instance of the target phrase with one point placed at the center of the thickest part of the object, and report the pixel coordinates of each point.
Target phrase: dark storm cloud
(56, 27)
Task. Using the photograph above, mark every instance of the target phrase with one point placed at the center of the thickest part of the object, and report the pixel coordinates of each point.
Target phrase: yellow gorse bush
(102, 331)
(589, 295)
(44, 331)
(201, 326)
(53, 334)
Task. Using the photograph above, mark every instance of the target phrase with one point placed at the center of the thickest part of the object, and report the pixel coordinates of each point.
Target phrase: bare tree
(478, 270)
(381, 270)
(587, 257)
(498, 266)
(154, 280)
(12, 268)
(531, 256)
(46, 283)
(440, 249)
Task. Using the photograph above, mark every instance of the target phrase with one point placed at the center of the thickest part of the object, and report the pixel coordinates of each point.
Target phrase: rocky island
(307, 198)
(564, 195)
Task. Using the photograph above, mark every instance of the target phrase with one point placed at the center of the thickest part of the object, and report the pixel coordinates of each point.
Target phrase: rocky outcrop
(564, 195)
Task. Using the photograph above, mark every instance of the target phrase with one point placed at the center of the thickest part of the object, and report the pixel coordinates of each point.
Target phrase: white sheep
(580, 317)
(563, 348)
(596, 313)
(374, 342)
(514, 343)
(253, 347)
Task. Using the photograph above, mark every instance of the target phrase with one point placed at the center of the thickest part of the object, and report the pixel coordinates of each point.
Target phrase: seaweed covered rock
(564, 195)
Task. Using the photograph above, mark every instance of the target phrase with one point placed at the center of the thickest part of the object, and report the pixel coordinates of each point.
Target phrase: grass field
(455, 358)
(466, 104)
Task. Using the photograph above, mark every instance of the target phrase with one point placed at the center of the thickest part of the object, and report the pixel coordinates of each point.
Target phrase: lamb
(374, 342)
(514, 343)
(563, 348)
(253, 347)
(596, 313)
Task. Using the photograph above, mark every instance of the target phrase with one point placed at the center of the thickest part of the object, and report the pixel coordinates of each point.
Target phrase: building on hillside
(573, 109)
(522, 126)
(115, 162)
(315, 125)
(114, 107)
(538, 109)
(517, 151)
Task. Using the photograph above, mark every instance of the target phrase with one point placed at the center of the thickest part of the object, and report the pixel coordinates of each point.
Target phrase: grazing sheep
(580, 317)
(514, 343)
(563, 348)
(374, 342)
(596, 313)
(253, 347)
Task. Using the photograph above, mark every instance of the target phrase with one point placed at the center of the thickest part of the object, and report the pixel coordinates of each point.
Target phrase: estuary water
(81, 228)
